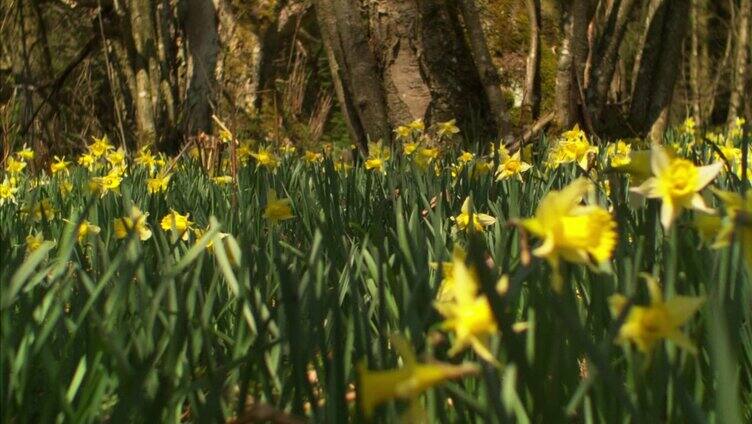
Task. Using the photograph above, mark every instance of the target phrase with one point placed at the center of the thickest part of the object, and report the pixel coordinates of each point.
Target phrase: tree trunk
(532, 93)
(740, 78)
(489, 76)
(395, 61)
(573, 57)
(605, 55)
(659, 67)
(203, 45)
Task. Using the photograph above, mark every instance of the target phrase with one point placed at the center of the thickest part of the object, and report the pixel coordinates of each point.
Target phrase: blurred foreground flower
(277, 209)
(677, 183)
(646, 325)
(136, 222)
(466, 311)
(408, 382)
(572, 231)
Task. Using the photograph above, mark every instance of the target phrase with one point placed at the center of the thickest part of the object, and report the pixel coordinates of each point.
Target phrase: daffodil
(106, 183)
(25, 153)
(313, 157)
(646, 325)
(287, 149)
(571, 231)
(277, 209)
(8, 191)
(174, 221)
(116, 159)
(146, 159)
(33, 242)
(688, 126)
(407, 383)
(732, 154)
(377, 157)
(619, 154)
(266, 158)
(511, 167)
(342, 166)
(158, 183)
(677, 182)
(222, 179)
(573, 146)
(13, 166)
(86, 228)
(736, 224)
(479, 220)
(42, 210)
(59, 165)
(136, 222)
(65, 187)
(409, 148)
(465, 157)
(100, 146)
(87, 160)
(403, 132)
(425, 156)
(467, 313)
(447, 129)
(417, 126)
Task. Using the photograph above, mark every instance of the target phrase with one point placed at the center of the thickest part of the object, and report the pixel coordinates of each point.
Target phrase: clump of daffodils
(572, 146)
(572, 231)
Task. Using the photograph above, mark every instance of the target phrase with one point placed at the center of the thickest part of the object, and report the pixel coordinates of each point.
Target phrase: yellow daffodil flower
(136, 221)
(158, 183)
(447, 129)
(409, 148)
(417, 126)
(266, 158)
(42, 210)
(573, 146)
(425, 156)
(86, 228)
(408, 382)
(277, 209)
(222, 179)
(465, 157)
(377, 157)
(33, 242)
(8, 191)
(287, 149)
(677, 183)
(466, 311)
(577, 233)
(116, 159)
(13, 166)
(25, 153)
(59, 165)
(100, 146)
(619, 153)
(87, 160)
(174, 221)
(106, 183)
(313, 157)
(511, 166)
(646, 325)
(479, 220)
(403, 132)
(342, 166)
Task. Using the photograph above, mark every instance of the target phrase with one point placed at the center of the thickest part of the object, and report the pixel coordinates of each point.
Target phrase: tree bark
(395, 61)
(573, 56)
(659, 67)
(740, 78)
(489, 76)
(203, 45)
(532, 93)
